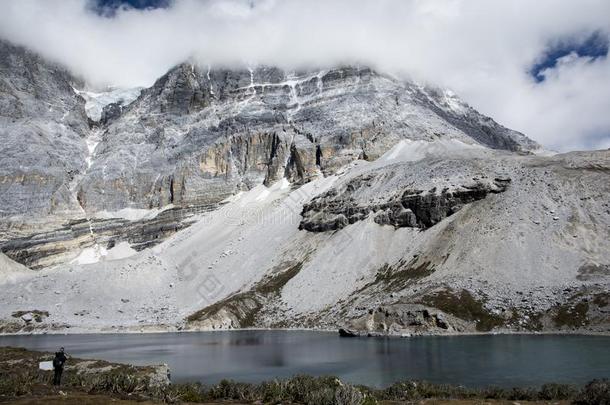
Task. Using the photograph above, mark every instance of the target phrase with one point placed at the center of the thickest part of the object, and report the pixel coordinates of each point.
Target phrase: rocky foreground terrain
(256, 197)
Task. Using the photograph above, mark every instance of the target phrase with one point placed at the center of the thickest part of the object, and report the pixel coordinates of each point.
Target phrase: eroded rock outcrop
(405, 320)
(413, 208)
(531, 258)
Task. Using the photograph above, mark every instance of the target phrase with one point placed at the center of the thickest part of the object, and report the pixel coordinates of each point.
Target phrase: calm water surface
(253, 356)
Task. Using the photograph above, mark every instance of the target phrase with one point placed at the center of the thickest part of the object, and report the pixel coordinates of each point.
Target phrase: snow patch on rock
(408, 150)
(132, 214)
(96, 101)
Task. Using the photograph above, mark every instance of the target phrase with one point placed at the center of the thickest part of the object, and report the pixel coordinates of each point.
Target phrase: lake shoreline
(168, 330)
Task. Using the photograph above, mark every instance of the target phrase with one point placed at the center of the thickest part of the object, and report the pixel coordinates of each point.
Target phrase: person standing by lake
(58, 365)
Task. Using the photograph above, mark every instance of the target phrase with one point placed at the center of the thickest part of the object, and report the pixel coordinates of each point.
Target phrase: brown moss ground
(473, 402)
(85, 399)
(72, 398)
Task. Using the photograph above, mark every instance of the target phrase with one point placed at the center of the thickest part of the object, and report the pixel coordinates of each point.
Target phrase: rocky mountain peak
(200, 134)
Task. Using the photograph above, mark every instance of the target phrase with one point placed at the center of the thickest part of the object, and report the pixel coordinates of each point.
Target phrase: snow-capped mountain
(326, 198)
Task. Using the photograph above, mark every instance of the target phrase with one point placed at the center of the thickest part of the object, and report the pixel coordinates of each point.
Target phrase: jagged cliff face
(196, 137)
(343, 197)
(199, 135)
(42, 130)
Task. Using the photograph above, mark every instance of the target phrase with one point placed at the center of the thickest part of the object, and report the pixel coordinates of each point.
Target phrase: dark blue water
(253, 356)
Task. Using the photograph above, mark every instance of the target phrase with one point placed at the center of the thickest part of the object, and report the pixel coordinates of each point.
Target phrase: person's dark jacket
(59, 360)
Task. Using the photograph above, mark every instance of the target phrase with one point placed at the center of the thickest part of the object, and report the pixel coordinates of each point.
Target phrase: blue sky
(538, 67)
(138, 4)
(593, 46)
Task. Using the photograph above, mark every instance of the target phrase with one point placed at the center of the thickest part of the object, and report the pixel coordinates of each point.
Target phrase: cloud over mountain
(483, 50)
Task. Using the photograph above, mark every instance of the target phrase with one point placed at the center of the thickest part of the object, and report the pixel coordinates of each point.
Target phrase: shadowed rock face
(429, 208)
(196, 137)
(408, 208)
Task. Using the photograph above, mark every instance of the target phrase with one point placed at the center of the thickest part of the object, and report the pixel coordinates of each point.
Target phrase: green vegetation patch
(529, 321)
(464, 306)
(571, 315)
(303, 389)
(399, 276)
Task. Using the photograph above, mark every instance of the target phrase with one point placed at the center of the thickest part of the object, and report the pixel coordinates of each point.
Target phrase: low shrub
(232, 390)
(522, 394)
(494, 393)
(597, 392)
(348, 395)
(550, 392)
(416, 390)
(188, 393)
(17, 385)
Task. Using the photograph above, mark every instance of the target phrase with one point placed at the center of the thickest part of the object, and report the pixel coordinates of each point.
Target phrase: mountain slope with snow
(258, 197)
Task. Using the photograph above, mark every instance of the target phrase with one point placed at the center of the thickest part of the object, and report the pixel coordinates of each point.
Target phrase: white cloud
(481, 49)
